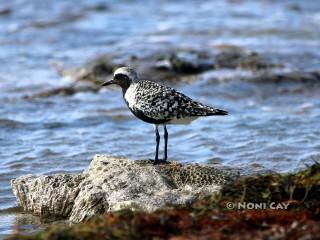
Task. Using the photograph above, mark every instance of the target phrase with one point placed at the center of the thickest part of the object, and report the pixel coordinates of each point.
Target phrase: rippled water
(270, 127)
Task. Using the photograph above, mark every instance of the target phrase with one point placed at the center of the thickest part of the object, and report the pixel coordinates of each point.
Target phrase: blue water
(270, 127)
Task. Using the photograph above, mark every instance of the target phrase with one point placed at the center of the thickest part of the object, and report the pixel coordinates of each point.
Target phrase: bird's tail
(209, 111)
(219, 112)
(204, 110)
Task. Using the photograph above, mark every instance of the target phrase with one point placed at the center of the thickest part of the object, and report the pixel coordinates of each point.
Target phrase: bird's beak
(109, 82)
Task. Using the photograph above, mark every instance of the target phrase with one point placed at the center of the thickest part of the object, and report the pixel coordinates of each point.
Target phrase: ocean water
(271, 126)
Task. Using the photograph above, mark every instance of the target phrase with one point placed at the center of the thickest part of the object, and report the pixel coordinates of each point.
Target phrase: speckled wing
(165, 103)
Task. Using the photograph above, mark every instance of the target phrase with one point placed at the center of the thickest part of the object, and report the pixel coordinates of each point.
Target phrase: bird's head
(123, 77)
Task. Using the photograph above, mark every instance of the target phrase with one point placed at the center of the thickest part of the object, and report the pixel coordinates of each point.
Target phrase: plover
(157, 104)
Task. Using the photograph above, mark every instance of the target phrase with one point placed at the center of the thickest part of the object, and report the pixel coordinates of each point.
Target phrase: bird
(157, 104)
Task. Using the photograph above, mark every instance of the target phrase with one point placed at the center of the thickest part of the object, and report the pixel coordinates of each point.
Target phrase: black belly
(139, 114)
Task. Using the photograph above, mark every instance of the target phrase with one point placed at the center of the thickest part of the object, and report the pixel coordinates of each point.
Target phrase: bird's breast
(130, 96)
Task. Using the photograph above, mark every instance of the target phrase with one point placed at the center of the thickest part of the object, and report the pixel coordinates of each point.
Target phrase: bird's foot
(158, 161)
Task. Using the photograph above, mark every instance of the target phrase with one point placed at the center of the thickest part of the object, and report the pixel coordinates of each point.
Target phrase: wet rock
(295, 7)
(172, 66)
(63, 19)
(95, 71)
(156, 67)
(63, 91)
(239, 58)
(290, 81)
(5, 11)
(97, 7)
(311, 77)
(188, 62)
(227, 56)
(111, 184)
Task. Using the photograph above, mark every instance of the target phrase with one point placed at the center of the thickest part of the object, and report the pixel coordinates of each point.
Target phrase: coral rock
(111, 184)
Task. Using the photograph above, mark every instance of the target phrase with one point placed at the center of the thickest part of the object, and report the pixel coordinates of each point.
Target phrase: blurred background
(259, 60)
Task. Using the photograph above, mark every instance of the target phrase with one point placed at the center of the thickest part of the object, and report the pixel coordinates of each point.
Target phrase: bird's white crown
(131, 73)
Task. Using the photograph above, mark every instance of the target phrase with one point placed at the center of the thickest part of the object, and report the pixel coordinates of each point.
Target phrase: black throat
(123, 81)
(124, 88)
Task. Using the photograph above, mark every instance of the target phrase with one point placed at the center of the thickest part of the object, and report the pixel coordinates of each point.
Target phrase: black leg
(156, 159)
(165, 143)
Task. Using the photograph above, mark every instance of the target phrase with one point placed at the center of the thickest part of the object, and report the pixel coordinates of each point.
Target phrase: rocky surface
(111, 184)
(295, 215)
(64, 91)
(172, 65)
(183, 65)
